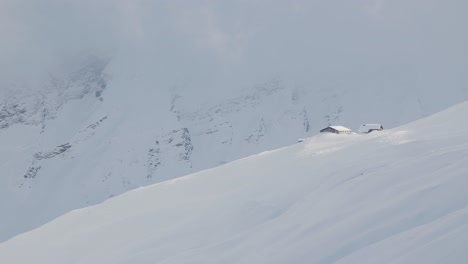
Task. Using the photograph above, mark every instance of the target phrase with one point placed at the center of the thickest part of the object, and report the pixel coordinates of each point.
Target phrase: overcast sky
(234, 43)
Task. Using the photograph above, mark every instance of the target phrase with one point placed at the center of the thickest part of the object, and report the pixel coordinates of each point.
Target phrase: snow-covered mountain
(86, 139)
(97, 99)
(397, 196)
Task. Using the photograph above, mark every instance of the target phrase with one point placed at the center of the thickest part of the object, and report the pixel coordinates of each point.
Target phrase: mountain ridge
(91, 141)
(333, 198)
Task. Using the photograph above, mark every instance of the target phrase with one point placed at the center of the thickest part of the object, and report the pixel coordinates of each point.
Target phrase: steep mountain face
(85, 139)
(396, 196)
(172, 88)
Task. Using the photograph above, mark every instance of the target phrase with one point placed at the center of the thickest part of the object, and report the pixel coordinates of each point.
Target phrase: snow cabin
(336, 130)
(367, 128)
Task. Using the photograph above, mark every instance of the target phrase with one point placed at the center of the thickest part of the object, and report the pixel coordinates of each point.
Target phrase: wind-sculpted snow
(396, 196)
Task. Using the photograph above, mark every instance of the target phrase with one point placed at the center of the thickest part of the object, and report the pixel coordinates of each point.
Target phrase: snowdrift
(397, 196)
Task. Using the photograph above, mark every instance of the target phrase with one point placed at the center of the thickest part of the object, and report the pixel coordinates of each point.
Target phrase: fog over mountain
(226, 45)
(101, 97)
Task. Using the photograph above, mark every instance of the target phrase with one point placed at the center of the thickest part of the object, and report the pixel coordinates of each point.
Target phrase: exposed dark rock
(32, 171)
(258, 134)
(50, 154)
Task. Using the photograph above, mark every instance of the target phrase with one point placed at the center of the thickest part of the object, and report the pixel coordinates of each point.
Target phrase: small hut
(367, 128)
(336, 130)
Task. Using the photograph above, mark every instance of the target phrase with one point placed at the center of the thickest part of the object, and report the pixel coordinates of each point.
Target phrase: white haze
(219, 46)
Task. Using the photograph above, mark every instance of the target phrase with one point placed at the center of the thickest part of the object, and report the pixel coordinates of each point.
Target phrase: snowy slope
(397, 196)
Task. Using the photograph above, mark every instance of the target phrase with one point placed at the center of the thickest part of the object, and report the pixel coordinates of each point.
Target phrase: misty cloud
(232, 44)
